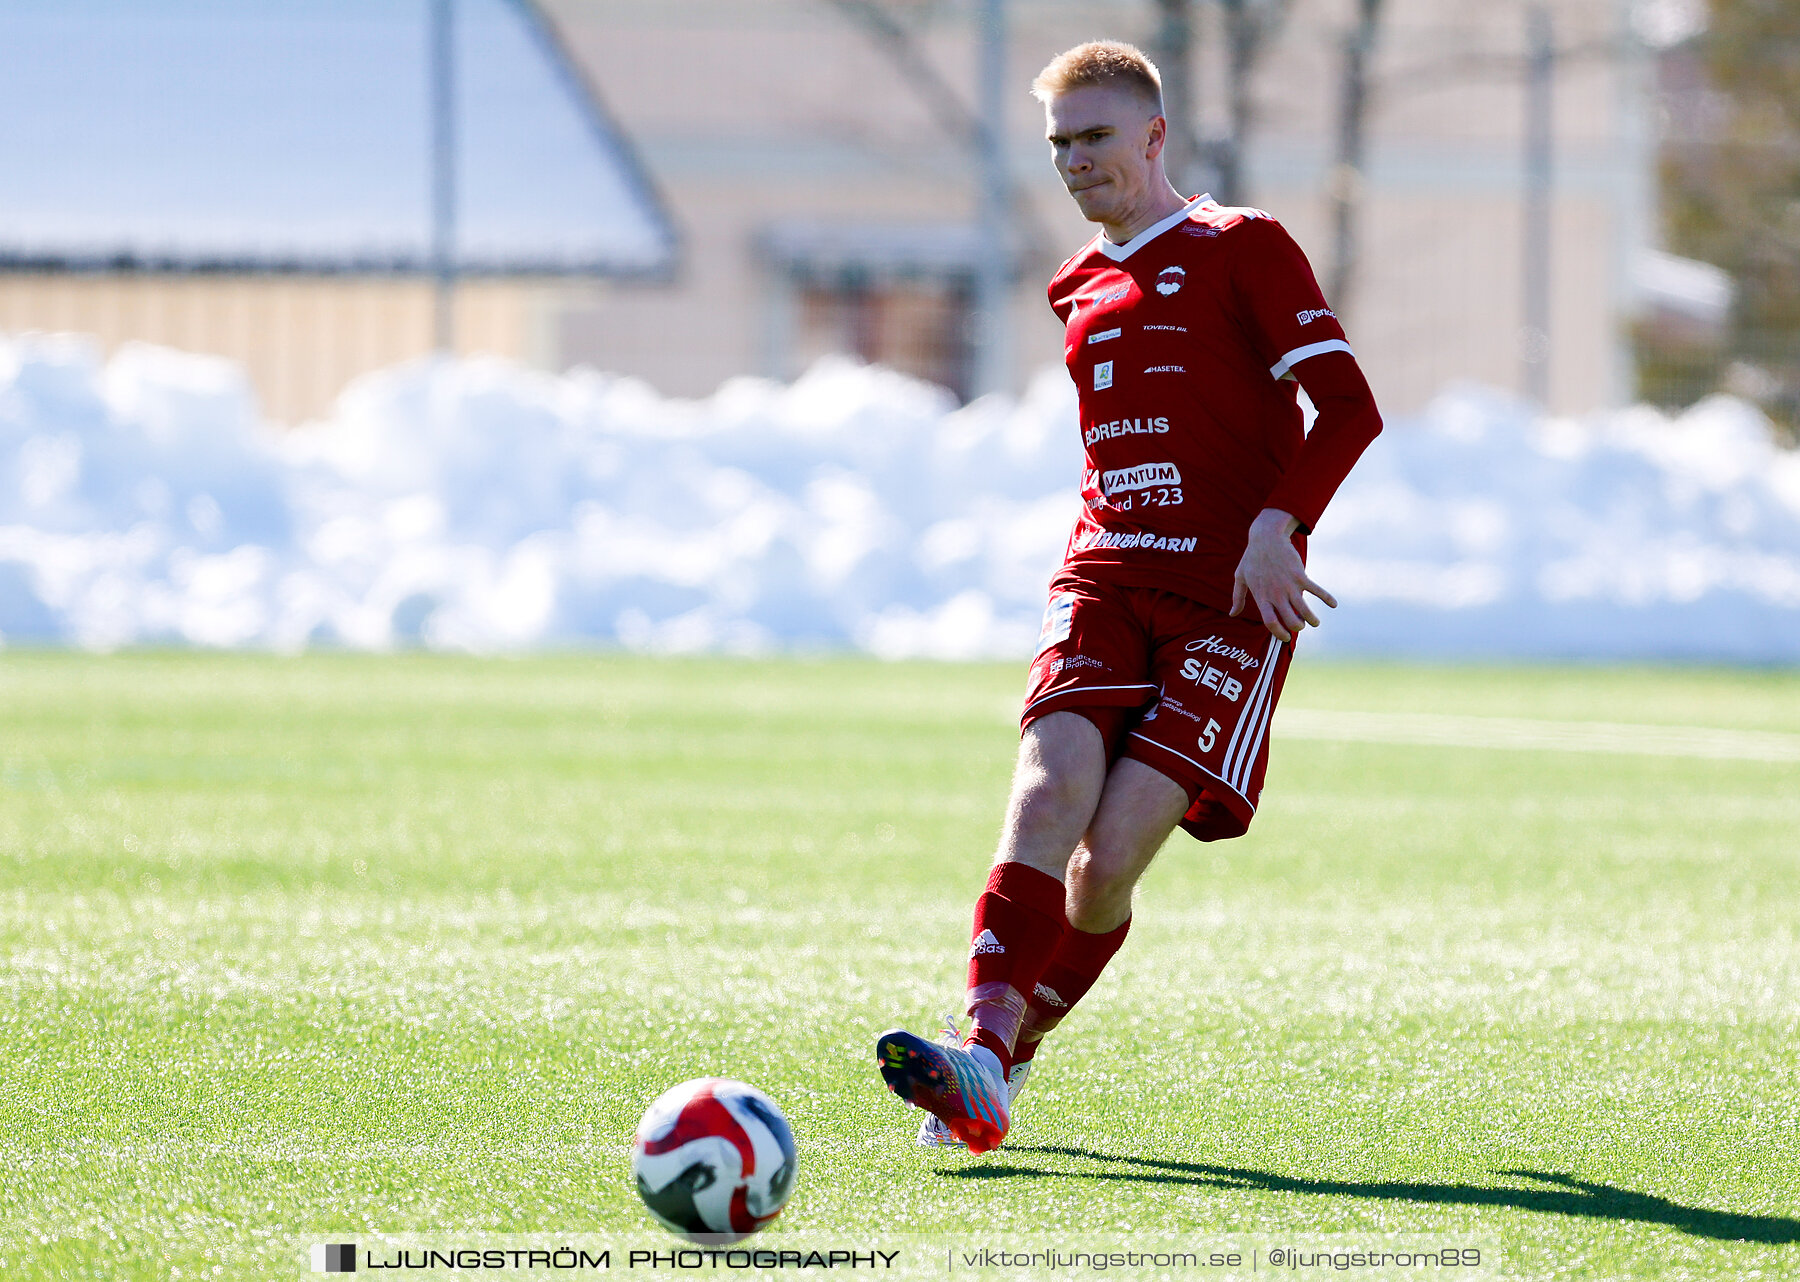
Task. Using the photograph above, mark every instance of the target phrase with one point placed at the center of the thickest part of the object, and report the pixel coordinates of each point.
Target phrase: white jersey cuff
(1299, 354)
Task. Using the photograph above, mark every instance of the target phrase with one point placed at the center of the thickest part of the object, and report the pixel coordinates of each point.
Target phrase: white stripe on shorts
(1260, 733)
(1258, 736)
(1240, 753)
(1237, 731)
(1057, 694)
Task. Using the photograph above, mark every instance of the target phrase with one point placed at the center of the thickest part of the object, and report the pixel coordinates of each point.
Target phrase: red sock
(1072, 970)
(1018, 924)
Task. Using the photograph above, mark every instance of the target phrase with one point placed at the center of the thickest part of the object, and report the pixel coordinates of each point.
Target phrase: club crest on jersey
(1169, 279)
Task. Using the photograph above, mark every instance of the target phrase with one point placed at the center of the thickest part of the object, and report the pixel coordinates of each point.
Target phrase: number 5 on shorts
(1209, 735)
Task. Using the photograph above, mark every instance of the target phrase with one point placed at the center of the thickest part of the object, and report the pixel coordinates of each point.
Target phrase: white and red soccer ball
(714, 1160)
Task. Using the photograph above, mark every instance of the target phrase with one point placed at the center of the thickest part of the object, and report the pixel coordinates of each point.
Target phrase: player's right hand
(1272, 574)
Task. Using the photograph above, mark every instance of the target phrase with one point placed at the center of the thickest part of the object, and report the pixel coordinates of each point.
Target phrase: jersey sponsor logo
(1104, 334)
(1308, 317)
(1141, 477)
(1167, 704)
(1212, 678)
(1166, 369)
(1144, 542)
(1059, 618)
(1173, 329)
(1103, 376)
(1195, 229)
(1074, 663)
(1113, 295)
(1125, 427)
(1168, 280)
(1213, 645)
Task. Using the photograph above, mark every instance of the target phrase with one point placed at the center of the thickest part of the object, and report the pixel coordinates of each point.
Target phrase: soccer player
(1183, 589)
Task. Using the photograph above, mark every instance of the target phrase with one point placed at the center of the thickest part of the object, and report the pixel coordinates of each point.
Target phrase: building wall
(301, 338)
(753, 111)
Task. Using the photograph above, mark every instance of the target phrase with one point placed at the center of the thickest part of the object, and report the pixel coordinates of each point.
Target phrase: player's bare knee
(1045, 821)
(1058, 795)
(1083, 876)
(1057, 784)
(1097, 902)
(1100, 880)
(1099, 916)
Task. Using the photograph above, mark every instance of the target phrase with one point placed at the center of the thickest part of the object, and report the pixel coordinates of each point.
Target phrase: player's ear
(1158, 137)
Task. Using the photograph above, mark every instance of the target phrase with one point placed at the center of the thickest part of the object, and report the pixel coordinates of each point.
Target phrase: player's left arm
(1291, 323)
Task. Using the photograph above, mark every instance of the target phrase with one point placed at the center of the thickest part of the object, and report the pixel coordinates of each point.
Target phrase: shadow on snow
(1566, 1196)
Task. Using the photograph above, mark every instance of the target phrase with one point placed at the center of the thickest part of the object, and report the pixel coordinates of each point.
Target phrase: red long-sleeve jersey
(1184, 344)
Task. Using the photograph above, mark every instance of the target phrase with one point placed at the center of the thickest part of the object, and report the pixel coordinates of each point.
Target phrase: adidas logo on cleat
(986, 943)
(1045, 993)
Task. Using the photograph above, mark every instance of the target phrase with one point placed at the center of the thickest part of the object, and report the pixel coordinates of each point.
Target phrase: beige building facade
(301, 338)
(826, 191)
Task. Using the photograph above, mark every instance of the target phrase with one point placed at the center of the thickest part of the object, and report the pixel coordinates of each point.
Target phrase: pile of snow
(1478, 528)
(473, 505)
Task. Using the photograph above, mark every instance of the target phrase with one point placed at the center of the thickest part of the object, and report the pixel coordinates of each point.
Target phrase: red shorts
(1172, 683)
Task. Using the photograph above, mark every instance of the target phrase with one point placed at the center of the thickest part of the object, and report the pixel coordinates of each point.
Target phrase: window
(901, 296)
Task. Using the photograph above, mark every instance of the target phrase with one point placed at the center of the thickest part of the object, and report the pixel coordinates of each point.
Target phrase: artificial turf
(297, 949)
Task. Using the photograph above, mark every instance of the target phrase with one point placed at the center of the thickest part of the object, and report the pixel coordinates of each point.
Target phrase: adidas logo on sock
(986, 943)
(1045, 993)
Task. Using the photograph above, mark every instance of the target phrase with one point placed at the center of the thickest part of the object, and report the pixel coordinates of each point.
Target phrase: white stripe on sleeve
(1299, 354)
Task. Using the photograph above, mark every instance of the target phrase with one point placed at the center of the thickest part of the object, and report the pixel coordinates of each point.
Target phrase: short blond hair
(1101, 62)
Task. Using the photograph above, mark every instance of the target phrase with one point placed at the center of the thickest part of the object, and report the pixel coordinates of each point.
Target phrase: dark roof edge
(421, 267)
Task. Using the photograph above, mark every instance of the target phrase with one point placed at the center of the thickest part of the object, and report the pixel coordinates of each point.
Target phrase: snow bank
(1479, 529)
(473, 505)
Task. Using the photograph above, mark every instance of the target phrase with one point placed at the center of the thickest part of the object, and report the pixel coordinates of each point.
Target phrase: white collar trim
(1119, 253)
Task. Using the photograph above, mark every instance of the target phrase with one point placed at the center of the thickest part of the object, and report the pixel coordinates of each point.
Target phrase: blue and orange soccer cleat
(934, 1134)
(932, 1131)
(948, 1081)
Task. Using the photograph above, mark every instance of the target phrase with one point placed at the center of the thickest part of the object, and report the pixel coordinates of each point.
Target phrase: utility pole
(993, 272)
(1250, 25)
(441, 38)
(1535, 337)
(1346, 189)
(1634, 194)
(1175, 60)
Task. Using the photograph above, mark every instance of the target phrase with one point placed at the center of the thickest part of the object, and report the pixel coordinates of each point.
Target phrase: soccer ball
(714, 1160)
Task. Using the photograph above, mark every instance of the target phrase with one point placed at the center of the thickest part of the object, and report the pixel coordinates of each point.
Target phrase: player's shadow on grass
(1566, 1196)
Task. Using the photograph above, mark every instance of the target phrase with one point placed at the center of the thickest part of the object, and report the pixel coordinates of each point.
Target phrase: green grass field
(295, 949)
